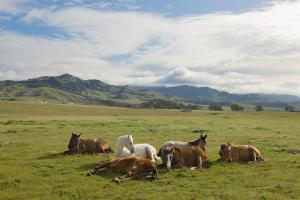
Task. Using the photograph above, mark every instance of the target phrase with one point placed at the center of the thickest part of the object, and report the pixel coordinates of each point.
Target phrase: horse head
(202, 141)
(225, 151)
(74, 143)
(167, 156)
(129, 143)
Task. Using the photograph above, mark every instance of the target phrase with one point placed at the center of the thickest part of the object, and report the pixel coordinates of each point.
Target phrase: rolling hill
(70, 89)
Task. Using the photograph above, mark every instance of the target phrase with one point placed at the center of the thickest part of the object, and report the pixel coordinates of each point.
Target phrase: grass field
(32, 136)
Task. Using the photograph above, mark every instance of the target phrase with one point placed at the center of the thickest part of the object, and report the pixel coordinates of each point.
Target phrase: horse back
(240, 152)
(189, 154)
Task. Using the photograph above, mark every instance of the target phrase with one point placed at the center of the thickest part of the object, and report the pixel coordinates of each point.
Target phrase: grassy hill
(33, 136)
(70, 89)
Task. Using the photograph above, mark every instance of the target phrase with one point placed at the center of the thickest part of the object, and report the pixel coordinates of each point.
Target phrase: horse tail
(258, 154)
(155, 173)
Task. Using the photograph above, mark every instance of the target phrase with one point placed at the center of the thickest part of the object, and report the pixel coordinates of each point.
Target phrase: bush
(259, 108)
(289, 108)
(215, 107)
(236, 107)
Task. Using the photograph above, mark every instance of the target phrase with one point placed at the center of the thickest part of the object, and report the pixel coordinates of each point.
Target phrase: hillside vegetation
(33, 136)
(70, 89)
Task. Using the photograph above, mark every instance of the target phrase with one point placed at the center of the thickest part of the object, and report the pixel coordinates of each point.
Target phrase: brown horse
(188, 156)
(247, 153)
(200, 142)
(77, 145)
(132, 167)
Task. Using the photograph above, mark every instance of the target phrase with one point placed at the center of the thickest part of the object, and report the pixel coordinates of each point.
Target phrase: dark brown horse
(188, 156)
(78, 145)
(131, 167)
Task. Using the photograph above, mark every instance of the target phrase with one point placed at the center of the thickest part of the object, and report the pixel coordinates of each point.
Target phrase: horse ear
(205, 136)
(79, 135)
(201, 135)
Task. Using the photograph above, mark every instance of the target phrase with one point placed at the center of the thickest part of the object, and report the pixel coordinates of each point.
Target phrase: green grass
(32, 136)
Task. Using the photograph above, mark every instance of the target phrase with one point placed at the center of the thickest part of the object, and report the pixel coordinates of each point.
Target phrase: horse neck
(120, 149)
(195, 143)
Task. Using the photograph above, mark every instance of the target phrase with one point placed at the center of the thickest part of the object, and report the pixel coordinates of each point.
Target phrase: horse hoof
(193, 168)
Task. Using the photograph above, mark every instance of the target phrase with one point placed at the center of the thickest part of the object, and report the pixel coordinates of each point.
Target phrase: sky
(249, 46)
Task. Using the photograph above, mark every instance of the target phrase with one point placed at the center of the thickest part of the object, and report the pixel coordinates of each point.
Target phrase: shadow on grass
(52, 156)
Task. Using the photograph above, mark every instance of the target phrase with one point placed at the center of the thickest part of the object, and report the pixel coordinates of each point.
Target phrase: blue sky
(237, 46)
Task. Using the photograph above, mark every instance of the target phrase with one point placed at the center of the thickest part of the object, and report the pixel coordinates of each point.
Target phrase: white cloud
(255, 51)
(11, 6)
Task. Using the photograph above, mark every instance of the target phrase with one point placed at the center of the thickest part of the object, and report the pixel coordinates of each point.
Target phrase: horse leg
(198, 162)
(252, 157)
(149, 153)
(134, 175)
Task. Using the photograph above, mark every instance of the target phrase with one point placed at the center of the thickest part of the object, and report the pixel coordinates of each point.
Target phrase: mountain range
(206, 95)
(70, 89)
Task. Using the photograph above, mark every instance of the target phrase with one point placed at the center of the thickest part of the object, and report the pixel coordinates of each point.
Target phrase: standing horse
(200, 142)
(126, 148)
(78, 145)
(247, 153)
(133, 167)
(188, 156)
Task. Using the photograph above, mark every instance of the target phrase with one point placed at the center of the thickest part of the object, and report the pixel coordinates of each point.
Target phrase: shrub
(259, 108)
(215, 107)
(236, 107)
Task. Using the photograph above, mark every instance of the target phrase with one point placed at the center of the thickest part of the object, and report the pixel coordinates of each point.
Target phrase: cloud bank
(253, 51)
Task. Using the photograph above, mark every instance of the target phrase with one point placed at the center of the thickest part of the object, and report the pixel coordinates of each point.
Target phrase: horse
(126, 148)
(187, 156)
(78, 145)
(247, 153)
(200, 142)
(132, 167)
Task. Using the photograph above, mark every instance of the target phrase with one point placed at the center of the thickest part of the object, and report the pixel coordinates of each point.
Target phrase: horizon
(237, 47)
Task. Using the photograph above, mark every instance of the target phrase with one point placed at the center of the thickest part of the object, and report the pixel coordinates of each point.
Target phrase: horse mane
(195, 142)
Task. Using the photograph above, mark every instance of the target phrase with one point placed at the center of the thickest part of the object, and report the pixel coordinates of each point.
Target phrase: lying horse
(200, 142)
(126, 148)
(188, 156)
(132, 167)
(247, 153)
(77, 145)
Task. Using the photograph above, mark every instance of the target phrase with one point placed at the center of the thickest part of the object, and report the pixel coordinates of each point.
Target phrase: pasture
(33, 136)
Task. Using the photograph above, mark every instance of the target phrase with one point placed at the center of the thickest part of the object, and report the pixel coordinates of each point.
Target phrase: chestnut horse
(78, 145)
(188, 156)
(247, 153)
(131, 167)
(200, 142)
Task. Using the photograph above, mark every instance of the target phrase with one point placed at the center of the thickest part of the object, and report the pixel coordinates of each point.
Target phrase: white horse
(126, 148)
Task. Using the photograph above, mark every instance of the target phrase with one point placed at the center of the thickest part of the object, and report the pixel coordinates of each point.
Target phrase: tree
(236, 107)
(289, 108)
(215, 107)
(259, 108)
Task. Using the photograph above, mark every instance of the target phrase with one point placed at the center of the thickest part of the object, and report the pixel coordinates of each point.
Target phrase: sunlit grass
(32, 136)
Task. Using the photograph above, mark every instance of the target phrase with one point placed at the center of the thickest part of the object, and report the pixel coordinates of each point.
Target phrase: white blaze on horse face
(169, 160)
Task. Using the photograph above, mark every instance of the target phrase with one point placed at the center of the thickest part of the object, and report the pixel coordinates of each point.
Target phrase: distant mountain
(70, 89)
(207, 95)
